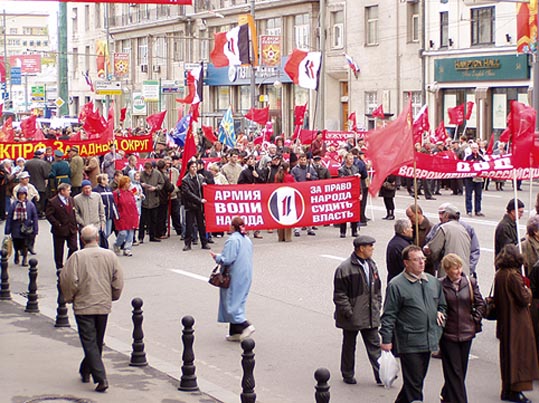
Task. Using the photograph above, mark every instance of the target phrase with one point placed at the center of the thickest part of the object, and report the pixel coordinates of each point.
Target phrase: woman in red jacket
(127, 220)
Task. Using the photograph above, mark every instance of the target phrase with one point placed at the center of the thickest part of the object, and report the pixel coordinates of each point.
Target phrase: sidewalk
(39, 362)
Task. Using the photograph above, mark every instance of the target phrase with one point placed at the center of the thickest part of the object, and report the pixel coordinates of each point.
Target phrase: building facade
(471, 57)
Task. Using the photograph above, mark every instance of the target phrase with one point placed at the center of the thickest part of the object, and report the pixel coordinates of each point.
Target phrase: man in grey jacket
(358, 298)
(152, 182)
(91, 279)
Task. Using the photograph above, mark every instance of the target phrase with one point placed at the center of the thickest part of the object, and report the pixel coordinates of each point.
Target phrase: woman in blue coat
(237, 255)
(21, 211)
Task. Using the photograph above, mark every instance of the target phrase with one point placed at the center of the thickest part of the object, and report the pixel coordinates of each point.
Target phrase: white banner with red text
(273, 206)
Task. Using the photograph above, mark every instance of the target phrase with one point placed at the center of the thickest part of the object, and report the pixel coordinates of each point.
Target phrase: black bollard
(188, 381)
(62, 320)
(138, 356)
(31, 305)
(248, 394)
(322, 387)
(5, 293)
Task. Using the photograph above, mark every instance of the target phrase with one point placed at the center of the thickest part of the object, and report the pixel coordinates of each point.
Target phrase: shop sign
(482, 68)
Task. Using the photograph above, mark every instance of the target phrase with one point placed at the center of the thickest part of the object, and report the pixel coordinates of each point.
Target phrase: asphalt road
(290, 305)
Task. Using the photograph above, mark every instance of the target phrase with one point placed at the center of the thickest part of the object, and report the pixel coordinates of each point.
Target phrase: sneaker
(127, 253)
(206, 247)
(210, 240)
(233, 337)
(186, 248)
(249, 330)
(311, 232)
(480, 214)
(117, 250)
(136, 243)
(343, 235)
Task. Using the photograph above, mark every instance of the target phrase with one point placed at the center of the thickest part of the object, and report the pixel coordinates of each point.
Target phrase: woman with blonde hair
(465, 309)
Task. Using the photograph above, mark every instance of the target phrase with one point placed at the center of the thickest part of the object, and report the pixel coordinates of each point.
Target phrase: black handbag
(27, 230)
(478, 325)
(490, 311)
(220, 278)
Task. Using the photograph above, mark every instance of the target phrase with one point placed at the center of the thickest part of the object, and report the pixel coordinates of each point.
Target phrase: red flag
(28, 127)
(209, 134)
(379, 112)
(523, 128)
(304, 68)
(421, 124)
(260, 116)
(92, 122)
(440, 132)
(490, 147)
(456, 115)
(352, 118)
(390, 147)
(7, 134)
(108, 133)
(156, 121)
(306, 137)
(231, 48)
(526, 26)
(469, 110)
(189, 151)
(194, 112)
(299, 114)
(1, 108)
(123, 112)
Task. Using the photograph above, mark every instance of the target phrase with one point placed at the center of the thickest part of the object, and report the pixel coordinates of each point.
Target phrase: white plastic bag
(389, 368)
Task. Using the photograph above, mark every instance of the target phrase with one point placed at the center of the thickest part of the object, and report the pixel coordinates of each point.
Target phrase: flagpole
(253, 71)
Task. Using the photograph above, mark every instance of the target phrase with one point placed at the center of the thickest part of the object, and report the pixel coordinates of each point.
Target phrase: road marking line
(333, 257)
(189, 274)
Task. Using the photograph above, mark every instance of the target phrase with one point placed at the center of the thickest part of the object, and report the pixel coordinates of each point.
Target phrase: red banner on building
(271, 206)
(334, 138)
(135, 144)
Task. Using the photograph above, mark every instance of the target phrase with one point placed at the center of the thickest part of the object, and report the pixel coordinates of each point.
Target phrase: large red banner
(438, 167)
(271, 206)
(130, 145)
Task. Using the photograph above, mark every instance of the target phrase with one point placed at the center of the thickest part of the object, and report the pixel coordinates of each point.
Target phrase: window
(417, 102)
(24, 43)
(27, 30)
(87, 58)
(38, 43)
(371, 22)
(413, 22)
(482, 25)
(160, 51)
(32, 43)
(74, 18)
(45, 43)
(223, 98)
(444, 29)
(302, 31)
(142, 54)
(337, 31)
(75, 67)
(86, 18)
(13, 31)
(371, 101)
(273, 27)
(179, 48)
(97, 15)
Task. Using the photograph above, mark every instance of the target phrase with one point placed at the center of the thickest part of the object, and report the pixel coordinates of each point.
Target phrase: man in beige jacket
(91, 279)
(76, 165)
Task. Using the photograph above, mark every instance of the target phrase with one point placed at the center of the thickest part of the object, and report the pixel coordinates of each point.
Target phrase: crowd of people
(432, 303)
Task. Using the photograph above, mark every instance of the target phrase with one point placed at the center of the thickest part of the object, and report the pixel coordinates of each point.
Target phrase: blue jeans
(108, 227)
(126, 236)
(477, 189)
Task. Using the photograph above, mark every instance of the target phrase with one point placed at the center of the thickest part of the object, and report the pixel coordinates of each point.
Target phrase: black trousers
(162, 225)
(148, 219)
(363, 204)
(389, 202)
(192, 217)
(353, 227)
(455, 364)
(176, 215)
(91, 334)
(414, 370)
(371, 339)
(59, 248)
(41, 203)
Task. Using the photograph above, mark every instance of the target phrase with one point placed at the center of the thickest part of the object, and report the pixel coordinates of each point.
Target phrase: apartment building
(471, 57)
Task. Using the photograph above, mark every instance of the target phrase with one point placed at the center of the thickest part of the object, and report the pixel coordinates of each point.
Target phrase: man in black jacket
(39, 175)
(402, 238)
(506, 230)
(193, 201)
